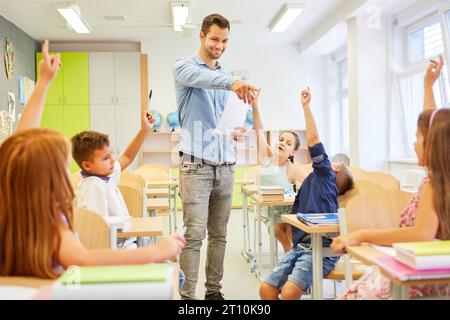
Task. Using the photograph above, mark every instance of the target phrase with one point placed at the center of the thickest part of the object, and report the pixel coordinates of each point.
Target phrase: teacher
(207, 157)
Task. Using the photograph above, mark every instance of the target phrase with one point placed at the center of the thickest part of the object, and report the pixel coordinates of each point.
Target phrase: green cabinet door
(76, 77)
(53, 117)
(76, 119)
(55, 91)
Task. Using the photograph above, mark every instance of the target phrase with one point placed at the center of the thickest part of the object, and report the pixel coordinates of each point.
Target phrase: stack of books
(270, 193)
(318, 219)
(137, 282)
(418, 261)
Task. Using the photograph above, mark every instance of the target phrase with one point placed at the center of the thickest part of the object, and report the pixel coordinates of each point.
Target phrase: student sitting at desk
(318, 194)
(37, 237)
(428, 215)
(278, 169)
(97, 190)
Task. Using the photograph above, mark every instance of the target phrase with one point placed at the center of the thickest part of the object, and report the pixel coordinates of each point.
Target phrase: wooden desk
(155, 204)
(143, 227)
(157, 192)
(317, 250)
(273, 248)
(171, 185)
(399, 289)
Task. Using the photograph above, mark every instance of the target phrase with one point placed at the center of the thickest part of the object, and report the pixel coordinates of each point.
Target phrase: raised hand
(147, 121)
(306, 97)
(256, 99)
(49, 65)
(434, 71)
(244, 91)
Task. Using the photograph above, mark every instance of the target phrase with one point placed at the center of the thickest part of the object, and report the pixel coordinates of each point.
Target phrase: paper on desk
(233, 116)
(386, 250)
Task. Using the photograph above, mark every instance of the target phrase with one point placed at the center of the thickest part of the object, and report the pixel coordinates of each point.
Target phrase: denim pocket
(189, 168)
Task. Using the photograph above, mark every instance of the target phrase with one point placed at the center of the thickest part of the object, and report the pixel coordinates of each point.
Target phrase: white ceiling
(40, 20)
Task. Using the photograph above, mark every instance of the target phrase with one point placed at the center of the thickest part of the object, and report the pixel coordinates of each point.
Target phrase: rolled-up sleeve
(321, 165)
(189, 74)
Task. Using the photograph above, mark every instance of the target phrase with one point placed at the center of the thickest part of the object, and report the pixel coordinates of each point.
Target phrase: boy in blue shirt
(318, 194)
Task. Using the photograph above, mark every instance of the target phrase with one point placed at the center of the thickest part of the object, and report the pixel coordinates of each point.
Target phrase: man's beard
(212, 56)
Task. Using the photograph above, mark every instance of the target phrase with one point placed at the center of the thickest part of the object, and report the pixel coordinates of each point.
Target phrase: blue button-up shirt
(202, 94)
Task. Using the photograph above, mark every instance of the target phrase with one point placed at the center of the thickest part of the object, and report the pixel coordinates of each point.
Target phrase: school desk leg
(245, 226)
(113, 237)
(316, 242)
(399, 292)
(259, 255)
(175, 196)
(272, 241)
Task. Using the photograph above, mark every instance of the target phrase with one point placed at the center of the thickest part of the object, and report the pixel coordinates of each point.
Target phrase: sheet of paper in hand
(233, 116)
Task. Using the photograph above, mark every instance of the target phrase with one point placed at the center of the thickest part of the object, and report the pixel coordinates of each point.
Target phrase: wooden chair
(385, 180)
(75, 179)
(92, 229)
(360, 187)
(357, 172)
(378, 209)
(134, 199)
(153, 172)
(252, 173)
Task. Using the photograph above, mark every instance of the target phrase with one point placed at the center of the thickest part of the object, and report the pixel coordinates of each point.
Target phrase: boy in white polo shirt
(97, 190)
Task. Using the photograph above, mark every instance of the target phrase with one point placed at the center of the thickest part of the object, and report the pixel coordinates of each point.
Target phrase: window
(424, 41)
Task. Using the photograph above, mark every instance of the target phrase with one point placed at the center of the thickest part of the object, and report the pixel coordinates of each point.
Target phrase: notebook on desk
(405, 273)
(150, 281)
(318, 219)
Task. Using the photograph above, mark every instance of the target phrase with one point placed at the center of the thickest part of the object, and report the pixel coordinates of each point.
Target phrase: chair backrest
(359, 187)
(134, 199)
(357, 172)
(92, 229)
(252, 173)
(130, 179)
(75, 179)
(153, 172)
(385, 180)
(376, 209)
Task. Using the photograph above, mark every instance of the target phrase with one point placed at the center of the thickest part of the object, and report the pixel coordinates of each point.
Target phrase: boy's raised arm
(48, 69)
(130, 153)
(312, 135)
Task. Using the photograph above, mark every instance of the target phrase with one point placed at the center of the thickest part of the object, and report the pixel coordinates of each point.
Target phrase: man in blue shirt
(207, 157)
(318, 194)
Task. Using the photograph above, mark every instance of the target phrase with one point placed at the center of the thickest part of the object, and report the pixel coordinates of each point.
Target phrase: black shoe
(214, 296)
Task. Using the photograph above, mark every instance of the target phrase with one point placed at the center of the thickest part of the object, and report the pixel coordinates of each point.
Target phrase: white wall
(279, 70)
(368, 84)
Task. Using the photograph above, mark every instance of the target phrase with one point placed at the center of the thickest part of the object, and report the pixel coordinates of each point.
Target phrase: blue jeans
(297, 267)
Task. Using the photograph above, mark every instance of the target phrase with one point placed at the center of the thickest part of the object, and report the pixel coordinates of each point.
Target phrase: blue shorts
(297, 267)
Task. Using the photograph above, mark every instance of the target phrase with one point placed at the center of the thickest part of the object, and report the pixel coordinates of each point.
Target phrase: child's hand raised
(49, 65)
(147, 121)
(306, 97)
(434, 71)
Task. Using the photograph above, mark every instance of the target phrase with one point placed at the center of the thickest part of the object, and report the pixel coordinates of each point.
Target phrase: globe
(172, 120)
(249, 118)
(158, 120)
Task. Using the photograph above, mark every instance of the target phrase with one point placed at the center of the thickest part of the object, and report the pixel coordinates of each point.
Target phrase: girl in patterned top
(427, 217)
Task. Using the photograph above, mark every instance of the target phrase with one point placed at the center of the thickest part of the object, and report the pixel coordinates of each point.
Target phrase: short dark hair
(344, 179)
(86, 143)
(216, 19)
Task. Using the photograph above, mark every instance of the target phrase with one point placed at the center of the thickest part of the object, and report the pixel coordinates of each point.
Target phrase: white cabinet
(115, 98)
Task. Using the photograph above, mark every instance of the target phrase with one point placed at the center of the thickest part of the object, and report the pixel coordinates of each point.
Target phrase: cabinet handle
(59, 100)
(112, 98)
(65, 100)
(117, 99)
